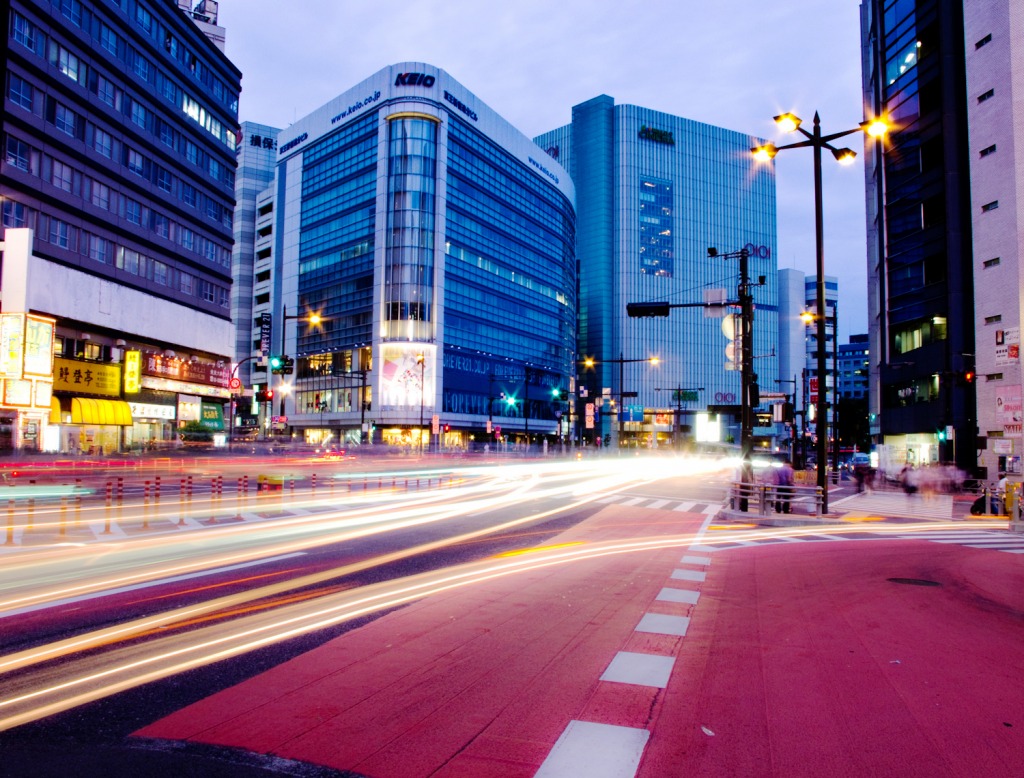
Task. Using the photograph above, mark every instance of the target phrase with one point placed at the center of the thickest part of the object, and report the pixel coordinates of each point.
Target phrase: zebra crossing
(657, 503)
(895, 504)
(1012, 543)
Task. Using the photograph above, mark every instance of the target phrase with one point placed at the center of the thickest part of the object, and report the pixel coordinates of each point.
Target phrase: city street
(538, 618)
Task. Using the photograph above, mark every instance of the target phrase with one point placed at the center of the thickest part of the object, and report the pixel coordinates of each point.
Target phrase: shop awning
(55, 417)
(89, 410)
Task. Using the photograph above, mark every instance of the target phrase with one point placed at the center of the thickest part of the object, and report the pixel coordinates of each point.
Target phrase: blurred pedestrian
(784, 478)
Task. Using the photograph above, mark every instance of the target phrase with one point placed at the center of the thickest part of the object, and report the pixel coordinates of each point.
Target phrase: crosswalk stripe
(659, 503)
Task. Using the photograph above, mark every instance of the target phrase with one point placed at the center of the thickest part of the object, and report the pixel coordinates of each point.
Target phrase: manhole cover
(914, 581)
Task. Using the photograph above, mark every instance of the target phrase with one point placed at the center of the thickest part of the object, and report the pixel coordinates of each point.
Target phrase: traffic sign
(435, 424)
(235, 383)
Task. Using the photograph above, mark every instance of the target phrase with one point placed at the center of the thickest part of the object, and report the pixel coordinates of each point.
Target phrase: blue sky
(733, 63)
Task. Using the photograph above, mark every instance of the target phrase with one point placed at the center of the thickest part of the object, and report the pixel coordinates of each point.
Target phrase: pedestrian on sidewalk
(784, 478)
(909, 479)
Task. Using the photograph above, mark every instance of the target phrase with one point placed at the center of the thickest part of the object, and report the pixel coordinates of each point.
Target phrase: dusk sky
(731, 63)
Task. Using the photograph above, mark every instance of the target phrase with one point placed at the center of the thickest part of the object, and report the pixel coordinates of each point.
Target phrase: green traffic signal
(275, 362)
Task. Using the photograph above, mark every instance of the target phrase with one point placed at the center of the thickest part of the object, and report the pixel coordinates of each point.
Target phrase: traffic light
(563, 395)
(640, 310)
(556, 393)
(287, 365)
(275, 365)
(941, 434)
(264, 395)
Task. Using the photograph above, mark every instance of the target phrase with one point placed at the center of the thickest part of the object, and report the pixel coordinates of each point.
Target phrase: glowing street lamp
(788, 122)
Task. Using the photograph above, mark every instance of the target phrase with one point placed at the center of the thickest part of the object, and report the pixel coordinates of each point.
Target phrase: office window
(191, 152)
(160, 272)
(99, 195)
(983, 41)
(140, 115)
(60, 233)
(21, 92)
(72, 10)
(187, 238)
(133, 211)
(990, 206)
(108, 93)
(188, 284)
(161, 225)
(66, 120)
(986, 95)
(993, 319)
(103, 143)
(142, 67)
(15, 214)
(188, 194)
(143, 18)
(108, 39)
(62, 176)
(163, 179)
(17, 153)
(68, 63)
(99, 249)
(165, 132)
(136, 162)
(988, 150)
(991, 262)
(23, 31)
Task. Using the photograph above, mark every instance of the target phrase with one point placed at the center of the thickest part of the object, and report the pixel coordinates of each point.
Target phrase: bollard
(10, 523)
(313, 482)
(145, 505)
(156, 490)
(31, 507)
(189, 487)
(110, 502)
(63, 516)
(120, 490)
(181, 504)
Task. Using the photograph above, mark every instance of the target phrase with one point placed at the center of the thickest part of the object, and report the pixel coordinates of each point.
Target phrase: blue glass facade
(654, 192)
(437, 244)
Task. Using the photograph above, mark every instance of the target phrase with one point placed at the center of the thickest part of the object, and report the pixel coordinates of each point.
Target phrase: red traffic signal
(969, 376)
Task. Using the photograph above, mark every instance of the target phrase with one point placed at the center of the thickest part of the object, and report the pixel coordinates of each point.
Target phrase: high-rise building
(853, 368)
(414, 256)
(119, 131)
(920, 266)
(814, 382)
(654, 193)
(994, 55)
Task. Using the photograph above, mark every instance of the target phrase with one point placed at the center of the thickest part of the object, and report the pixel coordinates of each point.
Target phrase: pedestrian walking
(784, 478)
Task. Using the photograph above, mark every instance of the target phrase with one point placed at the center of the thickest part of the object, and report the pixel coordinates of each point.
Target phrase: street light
(788, 122)
(311, 318)
(589, 362)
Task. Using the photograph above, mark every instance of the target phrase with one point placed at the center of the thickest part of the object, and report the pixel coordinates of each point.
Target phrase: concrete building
(117, 185)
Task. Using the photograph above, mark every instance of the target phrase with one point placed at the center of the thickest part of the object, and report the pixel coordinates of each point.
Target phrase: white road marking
(688, 596)
(639, 669)
(689, 575)
(595, 751)
(660, 624)
(695, 560)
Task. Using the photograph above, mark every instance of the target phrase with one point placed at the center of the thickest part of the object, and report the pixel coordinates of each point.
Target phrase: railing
(765, 500)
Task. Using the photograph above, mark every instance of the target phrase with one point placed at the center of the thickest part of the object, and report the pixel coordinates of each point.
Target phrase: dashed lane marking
(596, 751)
(639, 669)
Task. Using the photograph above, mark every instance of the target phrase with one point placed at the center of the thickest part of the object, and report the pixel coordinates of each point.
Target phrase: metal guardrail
(765, 500)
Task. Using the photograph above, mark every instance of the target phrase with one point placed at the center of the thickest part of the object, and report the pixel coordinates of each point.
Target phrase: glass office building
(654, 192)
(435, 245)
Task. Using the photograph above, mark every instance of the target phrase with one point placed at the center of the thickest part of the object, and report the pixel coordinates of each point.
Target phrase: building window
(986, 95)
(993, 319)
(991, 262)
(15, 214)
(108, 39)
(166, 133)
(990, 206)
(144, 18)
(17, 153)
(63, 176)
(99, 249)
(103, 143)
(139, 114)
(988, 150)
(188, 194)
(60, 233)
(657, 253)
(136, 163)
(160, 272)
(65, 120)
(68, 63)
(142, 67)
(100, 195)
(133, 211)
(72, 10)
(163, 179)
(23, 31)
(107, 92)
(188, 284)
(161, 225)
(983, 41)
(21, 92)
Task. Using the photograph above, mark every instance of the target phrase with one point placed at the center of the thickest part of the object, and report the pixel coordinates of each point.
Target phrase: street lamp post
(313, 319)
(621, 362)
(231, 412)
(816, 141)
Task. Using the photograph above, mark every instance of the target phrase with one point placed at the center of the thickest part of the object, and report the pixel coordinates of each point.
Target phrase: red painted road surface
(800, 659)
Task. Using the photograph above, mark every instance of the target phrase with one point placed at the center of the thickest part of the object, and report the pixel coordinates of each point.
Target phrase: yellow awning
(55, 411)
(89, 410)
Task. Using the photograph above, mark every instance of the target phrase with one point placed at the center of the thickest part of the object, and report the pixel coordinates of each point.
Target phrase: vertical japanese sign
(265, 322)
(132, 371)
(12, 344)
